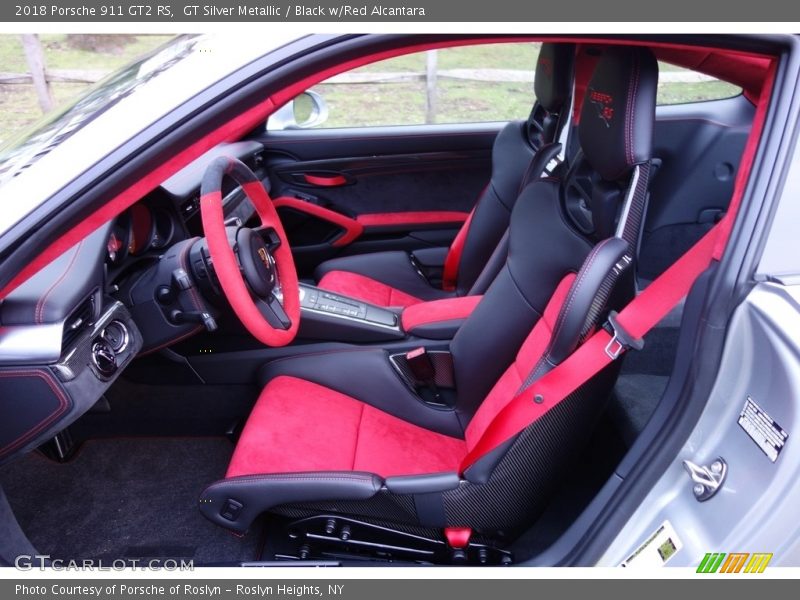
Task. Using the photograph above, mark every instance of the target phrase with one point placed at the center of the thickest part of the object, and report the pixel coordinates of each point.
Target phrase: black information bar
(445, 11)
(401, 589)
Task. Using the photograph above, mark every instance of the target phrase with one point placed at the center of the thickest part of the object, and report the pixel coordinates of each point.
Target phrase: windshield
(23, 150)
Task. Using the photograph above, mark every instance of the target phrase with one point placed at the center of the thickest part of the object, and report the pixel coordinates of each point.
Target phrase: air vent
(258, 160)
(77, 322)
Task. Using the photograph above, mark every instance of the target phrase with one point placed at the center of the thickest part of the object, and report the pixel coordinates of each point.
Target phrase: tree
(34, 56)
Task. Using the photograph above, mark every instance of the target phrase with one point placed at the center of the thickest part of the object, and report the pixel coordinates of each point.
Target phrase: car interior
(309, 337)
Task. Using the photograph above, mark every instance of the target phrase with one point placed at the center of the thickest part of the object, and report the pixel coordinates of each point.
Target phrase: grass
(18, 104)
(680, 93)
(367, 104)
(404, 103)
(350, 104)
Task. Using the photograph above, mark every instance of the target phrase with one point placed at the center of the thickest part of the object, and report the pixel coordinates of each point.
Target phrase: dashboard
(171, 212)
(141, 229)
(69, 331)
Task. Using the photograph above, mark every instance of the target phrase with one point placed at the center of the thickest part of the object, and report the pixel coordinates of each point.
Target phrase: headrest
(553, 80)
(618, 113)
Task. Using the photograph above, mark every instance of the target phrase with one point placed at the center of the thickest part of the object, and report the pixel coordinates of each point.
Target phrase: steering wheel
(255, 268)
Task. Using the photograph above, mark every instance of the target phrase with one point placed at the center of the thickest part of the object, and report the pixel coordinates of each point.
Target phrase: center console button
(381, 316)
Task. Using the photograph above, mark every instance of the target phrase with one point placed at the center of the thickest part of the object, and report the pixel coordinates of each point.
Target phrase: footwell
(126, 498)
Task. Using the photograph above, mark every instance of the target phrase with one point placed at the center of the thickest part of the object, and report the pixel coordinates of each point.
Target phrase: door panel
(424, 181)
(379, 188)
(699, 146)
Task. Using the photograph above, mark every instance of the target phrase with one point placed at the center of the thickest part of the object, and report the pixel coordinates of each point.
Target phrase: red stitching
(575, 288)
(629, 120)
(286, 477)
(358, 434)
(627, 136)
(280, 477)
(171, 342)
(62, 400)
(524, 181)
(39, 313)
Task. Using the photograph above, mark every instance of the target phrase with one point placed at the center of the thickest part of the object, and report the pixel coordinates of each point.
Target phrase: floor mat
(643, 379)
(164, 410)
(125, 498)
(635, 399)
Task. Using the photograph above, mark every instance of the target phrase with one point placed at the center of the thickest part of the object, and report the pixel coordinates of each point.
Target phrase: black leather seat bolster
(366, 375)
(494, 265)
(242, 499)
(440, 330)
(431, 257)
(585, 292)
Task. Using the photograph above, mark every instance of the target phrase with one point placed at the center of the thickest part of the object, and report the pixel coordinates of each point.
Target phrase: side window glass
(466, 84)
(677, 85)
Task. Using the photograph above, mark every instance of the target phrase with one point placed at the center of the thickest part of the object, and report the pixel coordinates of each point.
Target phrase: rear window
(677, 85)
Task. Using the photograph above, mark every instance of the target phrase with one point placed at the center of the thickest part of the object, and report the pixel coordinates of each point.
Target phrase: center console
(327, 315)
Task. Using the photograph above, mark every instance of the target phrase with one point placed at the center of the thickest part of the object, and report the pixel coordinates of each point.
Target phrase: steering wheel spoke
(273, 312)
(270, 237)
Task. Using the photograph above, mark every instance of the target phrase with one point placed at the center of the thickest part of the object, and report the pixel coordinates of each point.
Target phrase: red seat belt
(453, 259)
(636, 319)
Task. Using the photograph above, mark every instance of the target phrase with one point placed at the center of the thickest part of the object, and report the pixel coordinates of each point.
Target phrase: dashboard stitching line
(40, 306)
(62, 401)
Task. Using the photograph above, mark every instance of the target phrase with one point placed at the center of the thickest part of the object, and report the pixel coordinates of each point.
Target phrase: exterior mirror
(307, 110)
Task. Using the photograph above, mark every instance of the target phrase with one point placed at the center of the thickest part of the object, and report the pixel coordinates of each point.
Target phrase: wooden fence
(41, 77)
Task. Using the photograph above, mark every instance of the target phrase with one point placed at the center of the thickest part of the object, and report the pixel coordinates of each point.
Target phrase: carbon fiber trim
(77, 357)
(635, 215)
(599, 308)
(383, 505)
(303, 512)
(526, 477)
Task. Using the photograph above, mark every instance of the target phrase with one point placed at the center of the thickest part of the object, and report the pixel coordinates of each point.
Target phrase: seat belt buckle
(421, 365)
(424, 371)
(620, 340)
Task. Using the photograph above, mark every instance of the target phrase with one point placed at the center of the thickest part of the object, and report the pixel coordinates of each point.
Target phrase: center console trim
(395, 328)
(327, 315)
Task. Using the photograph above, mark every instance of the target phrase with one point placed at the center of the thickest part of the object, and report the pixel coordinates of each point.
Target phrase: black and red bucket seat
(520, 154)
(346, 433)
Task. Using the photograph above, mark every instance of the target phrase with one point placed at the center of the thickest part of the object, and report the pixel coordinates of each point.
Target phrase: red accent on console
(365, 288)
(412, 354)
